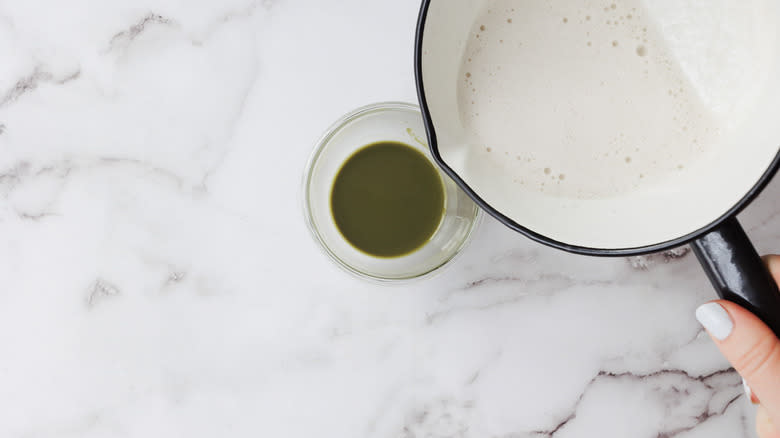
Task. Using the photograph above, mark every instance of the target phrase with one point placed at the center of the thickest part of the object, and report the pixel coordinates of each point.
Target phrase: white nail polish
(748, 391)
(716, 320)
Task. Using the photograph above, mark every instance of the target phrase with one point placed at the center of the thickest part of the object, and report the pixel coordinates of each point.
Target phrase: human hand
(753, 350)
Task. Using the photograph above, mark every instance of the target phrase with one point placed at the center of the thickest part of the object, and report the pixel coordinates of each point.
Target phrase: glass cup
(394, 122)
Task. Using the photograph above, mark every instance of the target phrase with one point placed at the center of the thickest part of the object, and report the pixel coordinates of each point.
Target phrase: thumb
(750, 346)
(764, 424)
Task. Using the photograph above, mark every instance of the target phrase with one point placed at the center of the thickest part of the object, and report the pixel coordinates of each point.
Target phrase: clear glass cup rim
(307, 179)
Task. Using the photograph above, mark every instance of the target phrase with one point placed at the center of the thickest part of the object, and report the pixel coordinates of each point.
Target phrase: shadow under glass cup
(383, 122)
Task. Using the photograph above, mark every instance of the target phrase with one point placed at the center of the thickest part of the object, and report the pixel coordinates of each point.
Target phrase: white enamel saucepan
(611, 128)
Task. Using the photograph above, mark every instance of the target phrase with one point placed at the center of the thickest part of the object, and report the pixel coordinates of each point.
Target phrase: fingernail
(716, 320)
(748, 391)
(752, 397)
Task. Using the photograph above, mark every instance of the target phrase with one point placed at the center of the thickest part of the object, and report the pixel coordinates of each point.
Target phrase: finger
(750, 346)
(764, 425)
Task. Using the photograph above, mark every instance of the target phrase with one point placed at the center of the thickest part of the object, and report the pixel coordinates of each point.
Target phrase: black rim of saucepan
(736, 209)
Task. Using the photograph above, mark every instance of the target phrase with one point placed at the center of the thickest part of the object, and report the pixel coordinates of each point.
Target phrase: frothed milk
(580, 99)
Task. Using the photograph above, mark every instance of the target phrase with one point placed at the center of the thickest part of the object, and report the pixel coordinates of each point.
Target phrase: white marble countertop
(157, 278)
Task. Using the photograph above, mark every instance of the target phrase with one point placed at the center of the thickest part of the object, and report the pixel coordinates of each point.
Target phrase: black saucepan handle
(738, 273)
